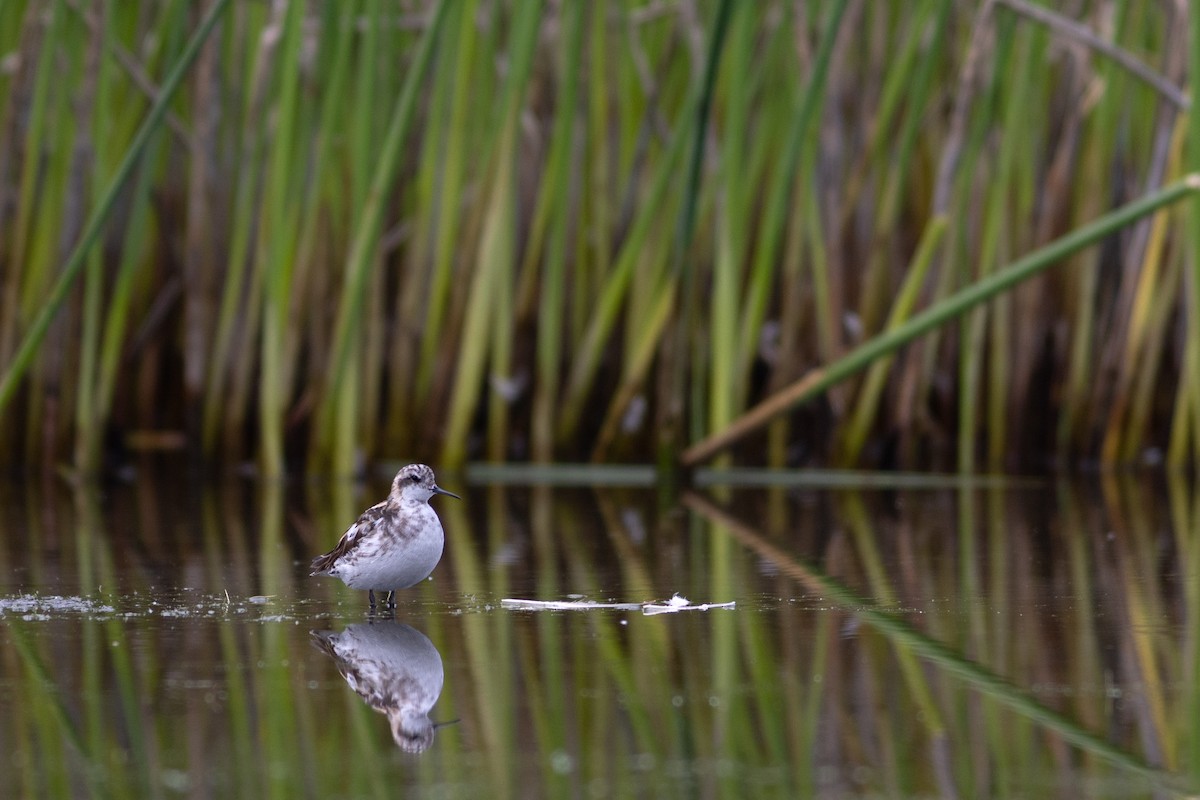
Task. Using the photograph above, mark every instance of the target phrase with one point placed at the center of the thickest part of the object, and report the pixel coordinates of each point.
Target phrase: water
(162, 639)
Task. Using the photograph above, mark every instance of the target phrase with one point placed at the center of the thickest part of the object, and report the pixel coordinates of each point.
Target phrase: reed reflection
(1035, 629)
(397, 671)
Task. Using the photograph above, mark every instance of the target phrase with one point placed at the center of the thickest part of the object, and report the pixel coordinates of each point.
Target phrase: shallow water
(162, 638)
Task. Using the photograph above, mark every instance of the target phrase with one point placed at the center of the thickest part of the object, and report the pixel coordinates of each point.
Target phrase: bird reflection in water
(398, 672)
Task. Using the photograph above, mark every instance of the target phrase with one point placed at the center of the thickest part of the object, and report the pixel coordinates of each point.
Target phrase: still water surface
(161, 638)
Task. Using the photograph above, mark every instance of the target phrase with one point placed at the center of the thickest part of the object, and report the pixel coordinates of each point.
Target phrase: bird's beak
(439, 490)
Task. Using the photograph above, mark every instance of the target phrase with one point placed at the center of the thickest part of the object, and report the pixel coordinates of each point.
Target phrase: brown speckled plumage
(394, 544)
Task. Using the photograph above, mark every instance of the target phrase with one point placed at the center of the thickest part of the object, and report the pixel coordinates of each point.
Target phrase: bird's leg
(371, 597)
(391, 599)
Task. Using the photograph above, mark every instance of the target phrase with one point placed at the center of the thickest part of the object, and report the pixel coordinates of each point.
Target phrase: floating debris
(680, 603)
(677, 603)
(564, 605)
(33, 606)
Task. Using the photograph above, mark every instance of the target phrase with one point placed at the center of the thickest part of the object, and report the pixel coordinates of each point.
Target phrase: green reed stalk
(597, 205)
(616, 149)
(732, 215)
(338, 112)
(201, 259)
(135, 248)
(554, 183)
(276, 249)
(1152, 324)
(363, 122)
(1112, 123)
(617, 280)
(607, 307)
(893, 98)
(1006, 195)
(555, 195)
(682, 348)
(456, 152)
(88, 426)
(342, 439)
(226, 398)
(489, 318)
(490, 307)
(1192, 304)
(792, 184)
(36, 136)
(339, 400)
(1139, 322)
(640, 355)
(56, 223)
(973, 330)
(792, 312)
(298, 204)
(794, 168)
(412, 292)
(1150, 130)
(878, 282)
(950, 308)
(866, 408)
(1083, 353)
(99, 216)
(499, 248)
(1180, 442)
(360, 385)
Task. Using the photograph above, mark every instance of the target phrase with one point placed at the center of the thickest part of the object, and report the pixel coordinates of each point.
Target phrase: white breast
(383, 562)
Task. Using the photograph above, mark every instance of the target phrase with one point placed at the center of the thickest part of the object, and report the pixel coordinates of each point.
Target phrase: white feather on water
(677, 603)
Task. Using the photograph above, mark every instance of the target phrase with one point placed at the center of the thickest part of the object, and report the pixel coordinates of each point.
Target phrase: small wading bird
(394, 544)
(396, 670)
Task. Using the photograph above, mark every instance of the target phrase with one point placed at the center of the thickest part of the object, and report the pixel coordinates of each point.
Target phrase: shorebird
(394, 544)
(396, 670)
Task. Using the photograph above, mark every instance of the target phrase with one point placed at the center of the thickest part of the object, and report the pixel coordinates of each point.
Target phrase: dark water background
(161, 638)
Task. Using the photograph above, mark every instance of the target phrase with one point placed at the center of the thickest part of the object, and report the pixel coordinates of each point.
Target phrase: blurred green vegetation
(558, 230)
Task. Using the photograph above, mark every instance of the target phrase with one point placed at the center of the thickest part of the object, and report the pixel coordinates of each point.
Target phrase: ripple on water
(32, 606)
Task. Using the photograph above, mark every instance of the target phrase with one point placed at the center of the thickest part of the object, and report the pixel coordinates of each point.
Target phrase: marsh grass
(521, 230)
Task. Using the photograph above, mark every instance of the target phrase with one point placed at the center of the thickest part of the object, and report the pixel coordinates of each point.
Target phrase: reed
(510, 230)
(1191, 406)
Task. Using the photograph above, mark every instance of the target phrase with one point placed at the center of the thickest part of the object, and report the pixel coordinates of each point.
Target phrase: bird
(396, 670)
(394, 544)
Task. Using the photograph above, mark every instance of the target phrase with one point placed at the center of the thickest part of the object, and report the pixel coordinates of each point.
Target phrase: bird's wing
(363, 525)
